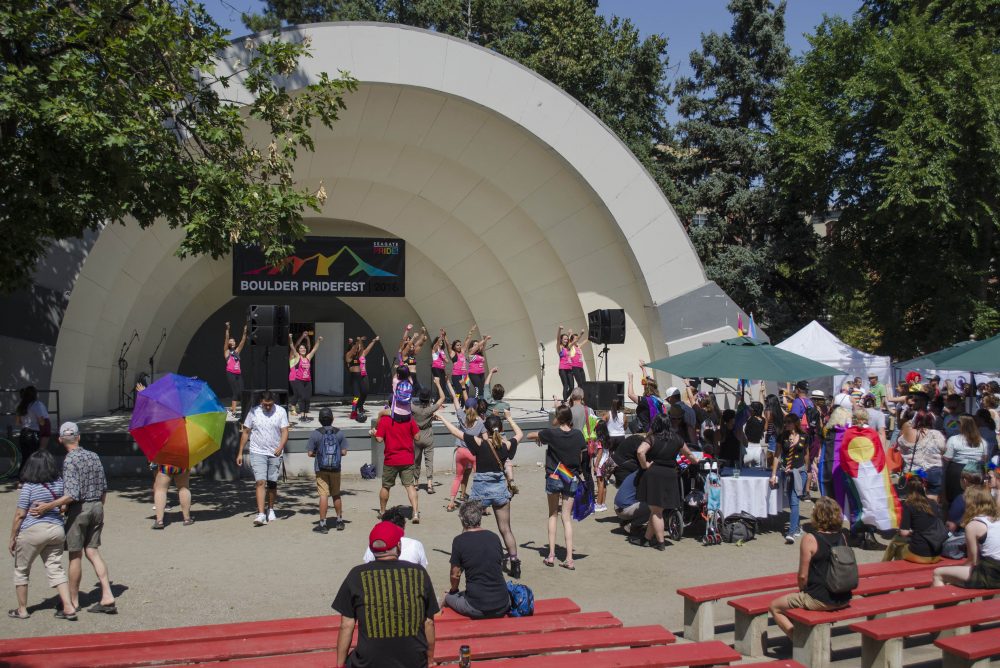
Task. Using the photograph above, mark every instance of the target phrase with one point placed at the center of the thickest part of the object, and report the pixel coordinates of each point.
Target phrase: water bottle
(464, 656)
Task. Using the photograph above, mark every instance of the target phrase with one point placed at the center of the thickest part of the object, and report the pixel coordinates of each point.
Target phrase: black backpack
(739, 528)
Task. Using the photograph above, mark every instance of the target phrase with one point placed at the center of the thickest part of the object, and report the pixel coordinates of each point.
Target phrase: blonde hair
(967, 427)
(496, 439)
(840, 417)
(470, 417)
(979, 502)
(827, 515)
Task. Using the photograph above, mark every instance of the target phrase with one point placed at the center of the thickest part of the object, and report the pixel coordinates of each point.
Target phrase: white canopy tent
(820, 345)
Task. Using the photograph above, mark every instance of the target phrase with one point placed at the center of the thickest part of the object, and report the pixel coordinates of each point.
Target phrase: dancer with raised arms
(576, 356)
(439, 355)
(477, 364)
(300, 371)
(234, 375)
(565, 362)
(357, 366)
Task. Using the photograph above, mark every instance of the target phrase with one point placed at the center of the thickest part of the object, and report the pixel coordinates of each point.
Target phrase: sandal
(416, 518)
(549, 561)
(16, 615)
(568, 565)
(188, 522)
(158, 525)
(71, 617)
(430, 488)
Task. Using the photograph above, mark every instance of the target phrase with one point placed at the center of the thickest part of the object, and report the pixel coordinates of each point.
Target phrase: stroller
(713, 507)
(694, 495)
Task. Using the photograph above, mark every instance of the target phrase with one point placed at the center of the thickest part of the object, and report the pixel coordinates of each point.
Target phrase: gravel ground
(222, 569)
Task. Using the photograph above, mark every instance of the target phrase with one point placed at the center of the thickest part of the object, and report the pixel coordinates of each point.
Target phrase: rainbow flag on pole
(563, 473)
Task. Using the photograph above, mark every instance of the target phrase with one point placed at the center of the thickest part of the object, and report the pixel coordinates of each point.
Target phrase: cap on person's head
(384, 537)
(843, 400)
(817, 394)
(935, 378)
(325, 416)
(471, 402)
(802, 385)
(873, 375)
(672, 392)
(69, 429)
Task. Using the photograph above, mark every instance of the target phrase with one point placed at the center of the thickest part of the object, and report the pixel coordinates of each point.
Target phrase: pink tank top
(477, 364)
(293, 369)
(233, 362)
(363, 366)
(565, 363)
(437, 359)
(577, 358)
(458, 369)
(304, 367)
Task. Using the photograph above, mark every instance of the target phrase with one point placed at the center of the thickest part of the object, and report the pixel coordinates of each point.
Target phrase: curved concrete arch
(521, 208)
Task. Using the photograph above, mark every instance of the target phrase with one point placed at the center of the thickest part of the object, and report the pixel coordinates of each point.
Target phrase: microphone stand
(152, 374)
(541, 379)
(122, 370)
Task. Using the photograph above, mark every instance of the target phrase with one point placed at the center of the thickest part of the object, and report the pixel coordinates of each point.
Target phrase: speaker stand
(604, 353)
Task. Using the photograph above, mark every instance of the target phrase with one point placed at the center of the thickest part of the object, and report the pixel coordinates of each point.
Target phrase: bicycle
(10, 459)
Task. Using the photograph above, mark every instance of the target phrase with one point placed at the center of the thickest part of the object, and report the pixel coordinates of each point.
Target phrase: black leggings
(303, 393)
(579, 376)
(359, 386)
(235, 386)
(457, 385)
(479, 381)
(440, 375)
(566, 376)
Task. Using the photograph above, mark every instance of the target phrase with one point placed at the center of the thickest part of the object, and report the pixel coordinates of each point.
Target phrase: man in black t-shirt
(479, 554)
(393, 606)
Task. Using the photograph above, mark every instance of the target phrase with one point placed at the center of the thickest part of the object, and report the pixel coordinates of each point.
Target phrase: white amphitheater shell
(519, 208)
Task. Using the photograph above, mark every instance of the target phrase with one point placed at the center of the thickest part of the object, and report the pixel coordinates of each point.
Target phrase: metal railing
(9, 398)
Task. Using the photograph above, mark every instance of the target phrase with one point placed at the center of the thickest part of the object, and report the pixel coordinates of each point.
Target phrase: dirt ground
(222, 569)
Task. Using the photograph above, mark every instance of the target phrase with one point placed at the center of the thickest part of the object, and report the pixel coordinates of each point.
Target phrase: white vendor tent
(817, 343)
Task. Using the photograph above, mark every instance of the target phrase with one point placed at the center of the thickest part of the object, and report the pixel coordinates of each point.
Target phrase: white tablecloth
(750, 493)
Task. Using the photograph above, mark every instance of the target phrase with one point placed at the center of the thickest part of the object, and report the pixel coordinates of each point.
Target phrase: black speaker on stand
(606, 326)
(269, 325)
(599, 394)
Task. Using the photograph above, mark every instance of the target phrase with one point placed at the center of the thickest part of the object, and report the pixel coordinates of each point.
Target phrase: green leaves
(114, 109)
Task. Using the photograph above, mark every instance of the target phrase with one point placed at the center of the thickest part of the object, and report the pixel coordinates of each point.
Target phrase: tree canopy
(116, 109)
(893, 118)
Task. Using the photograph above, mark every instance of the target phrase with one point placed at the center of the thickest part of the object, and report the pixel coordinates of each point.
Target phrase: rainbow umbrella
(177, 421)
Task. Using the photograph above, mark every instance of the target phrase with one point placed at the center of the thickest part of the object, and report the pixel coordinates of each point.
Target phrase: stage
(108, 436)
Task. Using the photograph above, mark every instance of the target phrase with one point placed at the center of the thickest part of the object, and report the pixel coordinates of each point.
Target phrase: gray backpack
(842, 576)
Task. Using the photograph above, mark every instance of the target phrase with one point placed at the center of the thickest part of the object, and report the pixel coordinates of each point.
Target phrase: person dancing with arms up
(234, 374)
(357, 366)
(300, 361)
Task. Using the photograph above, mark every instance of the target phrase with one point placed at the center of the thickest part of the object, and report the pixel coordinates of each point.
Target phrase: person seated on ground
(410, 549)
(814, 564)
(392, 605)
(982, 539)
(972, 474)
(632, 513)
(478, 553)
(921, 532)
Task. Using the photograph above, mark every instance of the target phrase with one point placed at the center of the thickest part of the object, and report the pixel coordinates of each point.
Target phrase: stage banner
(327, 266)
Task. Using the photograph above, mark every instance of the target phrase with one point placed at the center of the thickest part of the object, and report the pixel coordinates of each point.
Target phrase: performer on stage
(477, 365)
(565, 362)
(231, 350)
(576, 356)
(409, 348)
(293, 400)
(300, 371)
(439, 353)
(356, 358)
(459, 369)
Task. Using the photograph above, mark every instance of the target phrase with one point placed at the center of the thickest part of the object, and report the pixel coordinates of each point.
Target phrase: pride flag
(563, 473)
(865, 491)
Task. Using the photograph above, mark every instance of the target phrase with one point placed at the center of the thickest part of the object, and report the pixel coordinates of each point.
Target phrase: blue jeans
(792, 497)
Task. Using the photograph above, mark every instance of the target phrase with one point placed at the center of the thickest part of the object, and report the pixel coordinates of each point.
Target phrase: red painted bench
(882, 639)
(711, 653)
(752, 611)
(781, 663)
(811, 635)
(699, 602)
(321, 625)
(970, 651)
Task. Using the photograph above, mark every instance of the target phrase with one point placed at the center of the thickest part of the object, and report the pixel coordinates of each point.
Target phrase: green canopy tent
(743, 357)
(973, 356)
(932, 360)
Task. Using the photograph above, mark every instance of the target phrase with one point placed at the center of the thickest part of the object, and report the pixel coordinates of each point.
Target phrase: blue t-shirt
(956, 510)
(316, 441)
(800, 405)
(950, 424)
(33, 493)
(626, 495)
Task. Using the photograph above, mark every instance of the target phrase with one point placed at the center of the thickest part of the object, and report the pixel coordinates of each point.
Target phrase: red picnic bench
(811, 633)
(882, 639)
(699, 601)
(970, 651)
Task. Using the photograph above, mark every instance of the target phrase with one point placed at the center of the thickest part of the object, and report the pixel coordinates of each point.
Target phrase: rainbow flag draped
(861, 482)
(563, 473)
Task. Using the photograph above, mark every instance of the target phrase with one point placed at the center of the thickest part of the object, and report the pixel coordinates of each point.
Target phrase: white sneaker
(270, 515)
(790, 539)
(260, 520)
(600, 508)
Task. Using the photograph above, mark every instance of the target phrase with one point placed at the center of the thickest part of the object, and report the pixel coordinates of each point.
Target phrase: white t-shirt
(616, 427)
(876, 419)
(265, 430)
(35, 414)
(411, 550)
(960, 452)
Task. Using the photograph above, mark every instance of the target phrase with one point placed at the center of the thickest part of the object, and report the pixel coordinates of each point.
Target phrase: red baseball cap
(384, 537)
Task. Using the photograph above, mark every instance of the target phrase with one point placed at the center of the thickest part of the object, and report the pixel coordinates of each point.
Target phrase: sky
(681, 21)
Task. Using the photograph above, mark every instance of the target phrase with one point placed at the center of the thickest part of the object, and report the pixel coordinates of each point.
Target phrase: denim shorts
(933, 480)
(265, 467)
(557, 486)
(490, 489)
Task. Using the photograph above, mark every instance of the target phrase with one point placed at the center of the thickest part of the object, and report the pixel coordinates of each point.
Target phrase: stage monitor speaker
(606, 326)
(268, 324)
(599, 394)
(251, 398)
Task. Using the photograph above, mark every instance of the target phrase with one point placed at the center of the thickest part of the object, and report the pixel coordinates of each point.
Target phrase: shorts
(405, 474)
(806, 602)
(328, 483)
(84, 522)
(557, 486)
(490, 489)
(934, 480)
(167, 469)
(45, 540)
(265, 467)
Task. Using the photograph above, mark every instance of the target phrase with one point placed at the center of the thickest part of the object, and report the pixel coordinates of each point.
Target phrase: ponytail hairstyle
(564, 416)
(470, 417)
(616, 408)
(494, 430)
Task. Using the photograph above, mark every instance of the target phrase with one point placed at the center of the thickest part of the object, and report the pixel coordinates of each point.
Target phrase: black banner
(328, 266)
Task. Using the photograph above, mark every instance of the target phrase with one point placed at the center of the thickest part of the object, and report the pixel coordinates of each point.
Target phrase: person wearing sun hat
(392, 604)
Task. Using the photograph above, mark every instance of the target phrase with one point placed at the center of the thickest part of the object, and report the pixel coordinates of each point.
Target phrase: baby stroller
(693, 496)
(713, 507)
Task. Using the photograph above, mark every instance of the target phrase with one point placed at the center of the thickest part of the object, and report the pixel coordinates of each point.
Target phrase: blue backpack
(328, 452)
(404, 392)
(522, 600)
